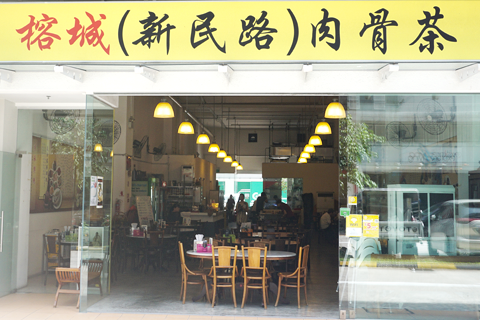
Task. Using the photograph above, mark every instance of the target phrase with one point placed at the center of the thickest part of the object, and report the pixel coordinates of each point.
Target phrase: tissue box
(200, 248)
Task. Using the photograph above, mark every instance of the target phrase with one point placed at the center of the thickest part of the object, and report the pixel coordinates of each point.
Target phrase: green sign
(344, 212)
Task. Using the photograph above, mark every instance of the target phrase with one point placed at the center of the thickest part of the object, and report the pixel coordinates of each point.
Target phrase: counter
(212, 224)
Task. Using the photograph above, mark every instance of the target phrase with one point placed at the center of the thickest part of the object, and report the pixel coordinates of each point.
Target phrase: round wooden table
(271, 255)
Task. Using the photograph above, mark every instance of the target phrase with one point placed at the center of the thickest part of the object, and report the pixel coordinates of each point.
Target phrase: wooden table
(271, 255)
(166, 236)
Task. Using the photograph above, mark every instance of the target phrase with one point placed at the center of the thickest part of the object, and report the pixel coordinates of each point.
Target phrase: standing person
(288, 214)
(230, 208)
(258, 206)
(241, 209)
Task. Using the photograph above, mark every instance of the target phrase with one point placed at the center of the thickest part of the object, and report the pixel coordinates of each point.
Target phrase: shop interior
(124, 166)
(131, 156)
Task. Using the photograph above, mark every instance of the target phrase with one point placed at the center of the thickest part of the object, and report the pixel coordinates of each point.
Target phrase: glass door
(7, 196)
(97, 204)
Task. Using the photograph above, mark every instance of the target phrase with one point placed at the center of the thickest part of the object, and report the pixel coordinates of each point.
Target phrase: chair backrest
(280, 244)
(95, 266)
(51, 243)
(218, 243)
(260, 244)
(254, 259)
(182, 256)
(156, 238)
(303, 257)
(65, 275)
(224, 259)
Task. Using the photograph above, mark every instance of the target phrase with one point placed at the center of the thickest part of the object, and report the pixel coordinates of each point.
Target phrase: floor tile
(154, 317)
(16, 315)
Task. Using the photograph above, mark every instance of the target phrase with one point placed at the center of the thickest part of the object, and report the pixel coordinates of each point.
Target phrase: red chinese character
(92, 33)
(39, 28)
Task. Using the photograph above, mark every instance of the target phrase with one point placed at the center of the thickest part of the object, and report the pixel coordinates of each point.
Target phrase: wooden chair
(53, 255)
(223, 268)
(296, 279)
(260, 244)
(95, 267)
(187, 272)
(254, 271)
(64, 276)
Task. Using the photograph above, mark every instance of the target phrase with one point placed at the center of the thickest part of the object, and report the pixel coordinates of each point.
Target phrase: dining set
(255, 269)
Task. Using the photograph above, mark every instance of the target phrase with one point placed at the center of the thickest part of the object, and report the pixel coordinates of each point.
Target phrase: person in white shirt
(326, 220)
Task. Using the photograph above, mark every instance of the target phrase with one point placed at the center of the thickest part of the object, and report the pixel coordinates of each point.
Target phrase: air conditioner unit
(280, 152)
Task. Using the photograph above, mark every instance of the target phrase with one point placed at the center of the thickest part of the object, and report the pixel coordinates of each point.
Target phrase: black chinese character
(257, 30)
(324, 31)
(199, 25)
(379, 37)
(153, 30)
(429, 22)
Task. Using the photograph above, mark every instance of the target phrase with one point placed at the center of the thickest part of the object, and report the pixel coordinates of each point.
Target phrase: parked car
(468, 227)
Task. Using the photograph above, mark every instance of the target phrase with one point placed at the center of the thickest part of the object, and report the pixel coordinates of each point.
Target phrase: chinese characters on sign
(285, 29)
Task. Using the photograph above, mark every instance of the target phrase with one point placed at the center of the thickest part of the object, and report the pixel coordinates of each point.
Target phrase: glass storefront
(97, 208)
(410, 247)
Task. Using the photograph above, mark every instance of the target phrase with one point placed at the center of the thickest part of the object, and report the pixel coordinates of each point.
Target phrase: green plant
(355, 141)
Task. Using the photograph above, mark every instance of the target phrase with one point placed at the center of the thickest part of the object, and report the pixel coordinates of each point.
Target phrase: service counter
(212, 223)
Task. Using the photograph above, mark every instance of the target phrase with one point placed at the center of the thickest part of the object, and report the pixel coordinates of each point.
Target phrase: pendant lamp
(305, 155)
(323, 128)
(186, 128)
(221, 154)
(335, 110)
(309, 148)
(239, 167)
(234, 163)
(302, 160)
(98, 148)
(163, 110)
(227, 159)
(203, 139)
(315, 140)
(214, 148)
(111, 153)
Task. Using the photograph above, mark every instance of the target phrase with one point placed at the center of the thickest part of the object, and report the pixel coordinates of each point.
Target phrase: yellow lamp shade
(302, 160)
(186, 128)
(235, 163)
(221, 154)
(335, 110)
(227, 159)
(163, 110)
(203, 139)
(315, 141)
(213, 148)
(239, 167)
(309, 148)
(305, 155)
(111, 153)
(98, 148)
(323, 128)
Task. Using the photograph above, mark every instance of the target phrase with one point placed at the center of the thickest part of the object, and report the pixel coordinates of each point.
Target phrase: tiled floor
(39, 306)
(155, 296)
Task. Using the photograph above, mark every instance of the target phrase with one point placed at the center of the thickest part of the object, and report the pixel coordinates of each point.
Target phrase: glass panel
(97, 204)
(7, 195)
(411, 246)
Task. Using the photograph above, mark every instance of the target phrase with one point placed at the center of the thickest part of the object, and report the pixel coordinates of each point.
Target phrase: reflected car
(468, 227)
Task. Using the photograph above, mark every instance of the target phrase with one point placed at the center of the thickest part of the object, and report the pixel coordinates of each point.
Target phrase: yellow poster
(354, 225)
(241, 31)
(371, 226)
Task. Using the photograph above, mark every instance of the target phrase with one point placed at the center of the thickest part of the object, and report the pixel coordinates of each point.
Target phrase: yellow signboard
(352, 201)
(354, 225)
(241, 31)
(371, 226)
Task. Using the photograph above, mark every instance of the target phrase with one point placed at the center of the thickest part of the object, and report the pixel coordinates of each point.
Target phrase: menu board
(144, 209)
